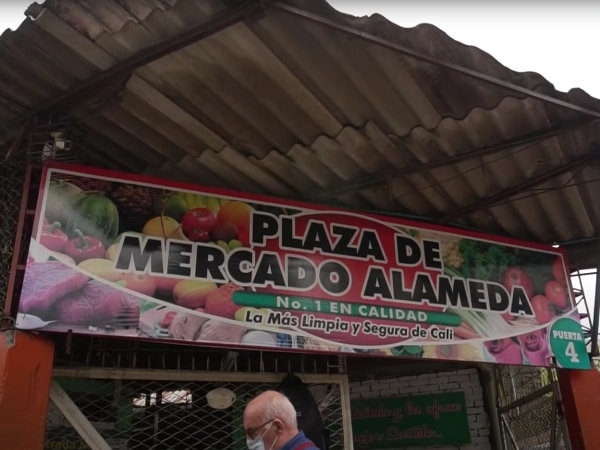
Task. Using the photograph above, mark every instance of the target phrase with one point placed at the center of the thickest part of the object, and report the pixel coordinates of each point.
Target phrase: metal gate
(137, 409)
(529, 407)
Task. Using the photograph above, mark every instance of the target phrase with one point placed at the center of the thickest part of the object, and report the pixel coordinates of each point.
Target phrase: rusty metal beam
(427, 58)
(251, 9)
(526, 399)
(518, 188)
(375, 180)
(595, 351)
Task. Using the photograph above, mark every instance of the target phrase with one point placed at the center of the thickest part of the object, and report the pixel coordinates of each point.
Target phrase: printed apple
(541, 309)
(556, 294)
(198, 223)
(514, 276)
(139, 282)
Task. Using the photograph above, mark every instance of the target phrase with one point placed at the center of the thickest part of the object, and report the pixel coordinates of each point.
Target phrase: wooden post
(80, 423)
(25, 376)
(580, 393)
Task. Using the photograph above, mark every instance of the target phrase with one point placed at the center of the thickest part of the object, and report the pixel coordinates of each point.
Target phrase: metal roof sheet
(301, 101)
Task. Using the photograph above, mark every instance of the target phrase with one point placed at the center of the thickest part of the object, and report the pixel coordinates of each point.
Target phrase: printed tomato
(556, 294)
(220, 301)
(558, 271)
(514, 276)
(541, 309)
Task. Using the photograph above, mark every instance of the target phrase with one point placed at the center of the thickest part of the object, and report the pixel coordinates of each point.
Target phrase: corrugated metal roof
(319, 106)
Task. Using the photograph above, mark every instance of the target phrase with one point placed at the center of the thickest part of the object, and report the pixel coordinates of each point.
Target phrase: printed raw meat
(535, 347)
(97, 304)
(505, 351)
(186, 326)
(216, 331)
(45, 283)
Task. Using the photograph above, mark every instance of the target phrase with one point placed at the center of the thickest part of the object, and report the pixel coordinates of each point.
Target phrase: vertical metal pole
(554, 413)
(560, 417)
(344, 388)
(155, 428)
(10, 309)
(513, 385)
(594, 333)
(490, 383)
(583, 300)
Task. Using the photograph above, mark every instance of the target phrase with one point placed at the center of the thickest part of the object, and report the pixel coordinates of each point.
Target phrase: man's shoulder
(300, 442)
(306, 445)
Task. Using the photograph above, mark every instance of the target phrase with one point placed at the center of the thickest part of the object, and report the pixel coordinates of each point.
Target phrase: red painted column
(580, 392)
(25, 377)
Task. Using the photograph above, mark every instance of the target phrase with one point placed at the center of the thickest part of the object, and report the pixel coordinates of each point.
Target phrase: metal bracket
(7, 323)
(7, 326)
(10, 338)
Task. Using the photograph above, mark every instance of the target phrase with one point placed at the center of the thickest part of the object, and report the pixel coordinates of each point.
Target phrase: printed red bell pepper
(83, 247)
(53, 238)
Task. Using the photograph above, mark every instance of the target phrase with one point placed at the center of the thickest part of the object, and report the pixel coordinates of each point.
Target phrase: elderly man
(270, 424)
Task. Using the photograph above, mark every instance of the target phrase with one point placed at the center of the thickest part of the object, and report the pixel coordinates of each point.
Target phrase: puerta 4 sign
(131, 256)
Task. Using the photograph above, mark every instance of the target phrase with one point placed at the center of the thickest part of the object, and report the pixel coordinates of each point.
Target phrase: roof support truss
(374, 180)
(521, 187)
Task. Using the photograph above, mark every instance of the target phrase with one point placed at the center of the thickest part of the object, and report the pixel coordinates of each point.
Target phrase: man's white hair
(279, 406)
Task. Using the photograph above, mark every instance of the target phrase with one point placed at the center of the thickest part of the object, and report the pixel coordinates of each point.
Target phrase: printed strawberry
(220, 302)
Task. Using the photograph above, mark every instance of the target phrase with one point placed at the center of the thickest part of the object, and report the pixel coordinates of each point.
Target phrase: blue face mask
(258, 443)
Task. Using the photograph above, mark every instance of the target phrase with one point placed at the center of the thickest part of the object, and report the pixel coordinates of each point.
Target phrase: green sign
(420, 420)
(568, 345)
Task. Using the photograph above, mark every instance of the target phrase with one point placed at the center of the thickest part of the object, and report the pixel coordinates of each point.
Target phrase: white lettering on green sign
(567, 335)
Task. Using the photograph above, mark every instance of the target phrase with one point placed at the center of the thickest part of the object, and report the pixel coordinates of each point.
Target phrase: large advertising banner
(124, 255)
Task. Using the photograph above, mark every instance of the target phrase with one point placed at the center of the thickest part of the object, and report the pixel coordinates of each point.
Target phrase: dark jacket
(307, 410)
(299, 442)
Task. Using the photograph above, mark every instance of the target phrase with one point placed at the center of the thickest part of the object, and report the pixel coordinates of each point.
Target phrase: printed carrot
(465, 331)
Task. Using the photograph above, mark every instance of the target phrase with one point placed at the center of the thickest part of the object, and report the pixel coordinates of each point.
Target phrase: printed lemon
(160, 226)
(240, 314)
(103, 268)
